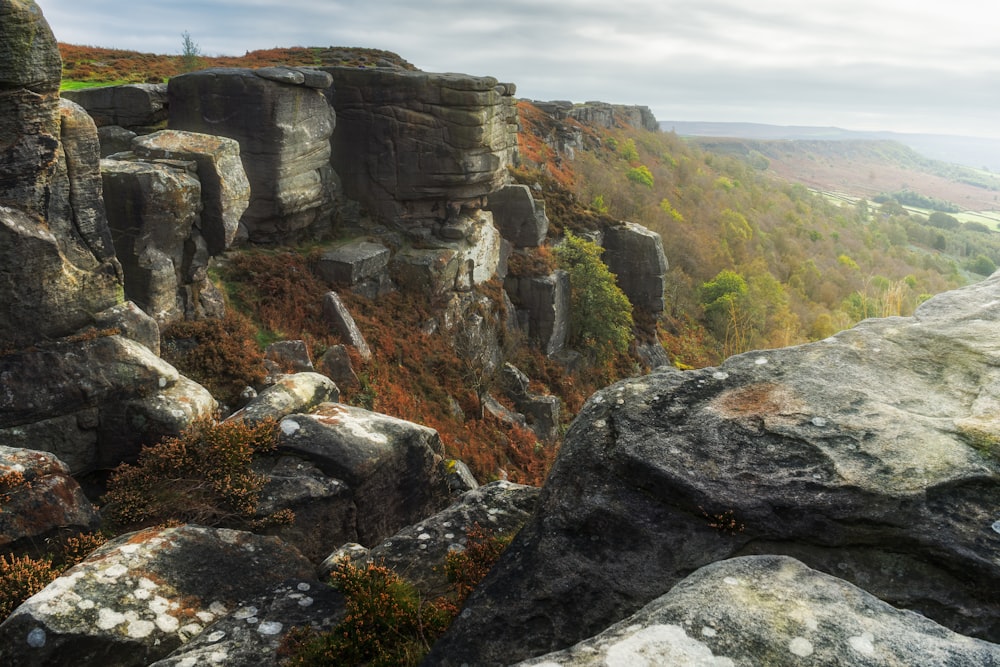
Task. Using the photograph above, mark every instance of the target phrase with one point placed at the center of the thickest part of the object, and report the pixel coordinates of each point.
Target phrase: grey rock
(133, 105)
(343, 323)
(284, 136)
(298, 392)
(225, 190)
(325, 513)
(241, 640)
(357, 265)
(281, 75)
(459, 477)
(132, 323)
(29, 55)
(613, 116)
(114, 139)
(72, 438)
(391, 465)
(289, 356)
(387, 118)
(870, 454)
(418, 552)
(46, 503)
(142, 595)
(336, 364)
(543, 307)
(518, 216)
(772, 610)
(153, 211)
(635, 255)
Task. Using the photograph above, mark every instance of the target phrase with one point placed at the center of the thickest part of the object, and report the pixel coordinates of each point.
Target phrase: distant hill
(975, 152)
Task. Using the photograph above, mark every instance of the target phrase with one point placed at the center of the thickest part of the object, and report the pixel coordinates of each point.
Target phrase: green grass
(77, 85)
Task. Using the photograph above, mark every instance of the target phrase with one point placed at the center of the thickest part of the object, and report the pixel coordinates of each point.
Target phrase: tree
(190, 53)
(600, 315)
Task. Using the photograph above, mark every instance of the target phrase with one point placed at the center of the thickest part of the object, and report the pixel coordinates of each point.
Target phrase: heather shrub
(204, 476)
(22, 577)
(386, 625)
(220, 354)
(465, 569)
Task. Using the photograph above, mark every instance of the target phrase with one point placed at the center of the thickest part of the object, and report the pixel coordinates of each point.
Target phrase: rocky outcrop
(142, 595)
(342, 322)
(613, 116)
(518, 216)
(871, 455)
(57, 264)
(298, 392)
(387, 119)
(283, 122)
(772, 610)
(542, 307)
(418, 552)
(39, 500)
(361, 266)
(173, 203)
(140, 107)
(391, 466)
(635, 255)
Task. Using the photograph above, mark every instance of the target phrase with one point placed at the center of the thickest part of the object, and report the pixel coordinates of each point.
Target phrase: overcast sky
(894, 65)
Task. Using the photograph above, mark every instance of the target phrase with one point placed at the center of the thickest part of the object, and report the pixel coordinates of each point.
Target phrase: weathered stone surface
(614, 116)
(386, 119)
(133, 105)
(298, 392)
(114, 139)
(251, 635)
(142, 595)
(287, 356)
(153, 210)
(325, 513)
(62, 378)
(336, 364)
(44, 502)
(391, 465)
(132, 323)
(542, 308)
(635, 255)
(343, 323)
(541, 413)
(129, 425)
(518, 216)
(29, 55)
(428, 270)
(418, 552)
(361, 266)
(284, 135)
(72, 438)
(871, 455)
(772, 610)
(225, 190)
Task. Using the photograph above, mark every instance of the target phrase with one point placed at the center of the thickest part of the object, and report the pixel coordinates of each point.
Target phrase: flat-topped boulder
(871, 455)
(386, 121)
(139, 106)
(283, 122)
(635, 255)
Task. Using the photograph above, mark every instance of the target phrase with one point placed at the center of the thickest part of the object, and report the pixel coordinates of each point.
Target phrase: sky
(896, 65)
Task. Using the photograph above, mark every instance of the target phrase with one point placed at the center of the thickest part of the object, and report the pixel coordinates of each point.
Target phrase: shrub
(601, 315)
(641, 175)
(386, 624)
(22, 577)
(203, 476)
(467, 568)
(218, 353)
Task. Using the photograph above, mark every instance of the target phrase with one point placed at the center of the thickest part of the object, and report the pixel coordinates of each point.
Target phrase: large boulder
(518, 216)
(283, 122)
(772, 610)
(142, 595)
(871, 455)
(387, 119)
(635, 255)
(391, 465)
(359, 265)
(298, 392)
(57, 263)
(542, 307)
(135, 106)
(39, 500)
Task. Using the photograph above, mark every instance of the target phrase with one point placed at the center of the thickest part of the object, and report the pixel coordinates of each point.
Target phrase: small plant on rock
(203, 476)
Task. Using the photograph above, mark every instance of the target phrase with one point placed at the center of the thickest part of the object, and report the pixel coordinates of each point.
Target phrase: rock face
(387, 119)
(141, 107)
(52, 227)
(772, 610)
(871, 455)
(39, 499)
(139, 597)
(283, 122)
(520, 217)
(391, 466)
(635, 255)
(542, 307)
(361, 266)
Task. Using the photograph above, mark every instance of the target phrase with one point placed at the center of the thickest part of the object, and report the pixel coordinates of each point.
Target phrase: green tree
(601, 315)
(190, 52)
(640, 175)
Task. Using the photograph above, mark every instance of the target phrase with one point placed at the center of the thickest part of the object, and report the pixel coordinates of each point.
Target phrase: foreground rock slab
(139, 597)
(772, 610)
(871, 455)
